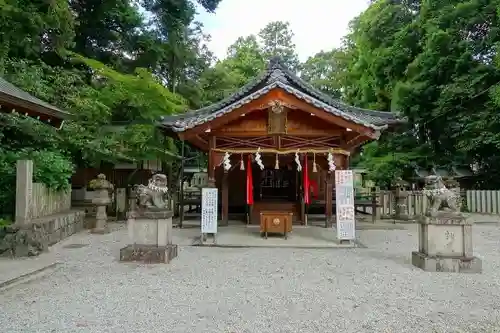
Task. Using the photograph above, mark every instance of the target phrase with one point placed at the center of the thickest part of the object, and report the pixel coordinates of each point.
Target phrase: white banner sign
(209, 198)
(344, 199)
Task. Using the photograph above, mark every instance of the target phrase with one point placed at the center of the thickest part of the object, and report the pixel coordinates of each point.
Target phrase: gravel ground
(259, 290)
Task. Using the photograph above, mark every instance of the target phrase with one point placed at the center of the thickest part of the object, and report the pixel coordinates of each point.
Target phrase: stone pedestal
(150, 233)
(401, 207)
(101, 201)
(445, 244)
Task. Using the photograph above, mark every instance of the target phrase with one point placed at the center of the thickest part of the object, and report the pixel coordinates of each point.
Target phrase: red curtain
(305, 177)
(249, 182)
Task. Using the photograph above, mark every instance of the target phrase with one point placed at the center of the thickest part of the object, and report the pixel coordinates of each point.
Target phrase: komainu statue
(440, 197)
(155, 194)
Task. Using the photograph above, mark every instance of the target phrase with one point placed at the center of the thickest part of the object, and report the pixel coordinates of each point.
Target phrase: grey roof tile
(277, 75)
(11, 90)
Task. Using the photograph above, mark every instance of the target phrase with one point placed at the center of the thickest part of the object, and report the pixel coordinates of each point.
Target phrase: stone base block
(100, 231)
(446, 264)
(149, 254)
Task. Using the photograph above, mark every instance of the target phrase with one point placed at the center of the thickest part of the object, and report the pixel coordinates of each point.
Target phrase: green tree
(276, 40)
(434, 62)
(323, 71)
(106, 30)
(29, 28)
(244, 62)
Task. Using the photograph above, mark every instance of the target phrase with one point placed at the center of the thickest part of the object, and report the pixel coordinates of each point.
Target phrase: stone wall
(43, 217)
(35, 237)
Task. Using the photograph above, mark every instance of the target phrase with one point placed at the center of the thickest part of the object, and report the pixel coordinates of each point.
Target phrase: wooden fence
(46, 202)
(35, 200)
(473, 201)
(487, 202)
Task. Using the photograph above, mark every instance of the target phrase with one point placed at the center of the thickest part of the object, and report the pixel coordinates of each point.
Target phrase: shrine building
(274, 138)
(13, 99)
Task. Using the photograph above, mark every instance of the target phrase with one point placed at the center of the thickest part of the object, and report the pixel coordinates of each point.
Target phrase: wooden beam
(289, 98)
(355, 142)
(231, 116)
(211, 162)
(198, 142)
(305, 133)
(315, 150)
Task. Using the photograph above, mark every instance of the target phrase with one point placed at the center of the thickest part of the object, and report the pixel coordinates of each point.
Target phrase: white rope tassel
(226, 161)
(315, 167)
(331, 163)
(258, 159)
(277, 163)
(242, 164)
(297, 160)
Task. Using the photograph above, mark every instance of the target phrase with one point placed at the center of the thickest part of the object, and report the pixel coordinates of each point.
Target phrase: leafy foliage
(246, 58)
(104, 62)
(434, 63)
(50, 167)
(276, 38)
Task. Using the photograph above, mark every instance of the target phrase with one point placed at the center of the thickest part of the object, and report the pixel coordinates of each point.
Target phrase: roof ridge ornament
(276, 106)
(277, 75)
(275, 62)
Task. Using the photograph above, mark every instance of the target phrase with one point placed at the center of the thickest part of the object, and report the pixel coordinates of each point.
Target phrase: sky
(317, 24)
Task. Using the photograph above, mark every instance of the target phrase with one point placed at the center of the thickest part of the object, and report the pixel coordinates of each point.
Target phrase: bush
(52, 169)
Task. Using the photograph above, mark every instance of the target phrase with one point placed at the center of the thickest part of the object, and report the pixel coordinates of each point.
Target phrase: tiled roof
(279, 76)
(16, 94)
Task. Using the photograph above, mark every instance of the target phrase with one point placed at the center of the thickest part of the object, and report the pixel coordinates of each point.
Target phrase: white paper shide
(344, 198)
(209, 198)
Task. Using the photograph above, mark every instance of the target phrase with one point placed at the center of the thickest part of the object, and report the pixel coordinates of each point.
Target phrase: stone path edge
(277, 246)
(20, 278)
(356, 245)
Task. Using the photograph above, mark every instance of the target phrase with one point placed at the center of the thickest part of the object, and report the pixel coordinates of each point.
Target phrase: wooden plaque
(277, 119)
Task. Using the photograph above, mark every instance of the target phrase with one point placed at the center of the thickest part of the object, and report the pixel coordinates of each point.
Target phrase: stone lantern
(102, 198)
(400, 191)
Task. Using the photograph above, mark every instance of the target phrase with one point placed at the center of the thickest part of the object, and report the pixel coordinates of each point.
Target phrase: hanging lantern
(277, 163)
(242, 163)
(297, 160)
(315, 168)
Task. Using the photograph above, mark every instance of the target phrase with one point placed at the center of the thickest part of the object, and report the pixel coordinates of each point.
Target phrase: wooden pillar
(302, 211)
(329, 199)
(249, 207)
(225, 198)
(211, 162)
(24, 191)
(300, 178)
(181, 189)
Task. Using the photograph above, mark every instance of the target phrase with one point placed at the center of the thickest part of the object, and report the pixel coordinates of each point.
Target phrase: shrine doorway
(277, 185)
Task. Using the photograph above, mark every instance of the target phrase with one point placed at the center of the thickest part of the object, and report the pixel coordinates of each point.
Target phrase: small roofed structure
(13, 99)
(463, 175)
(277, 124)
